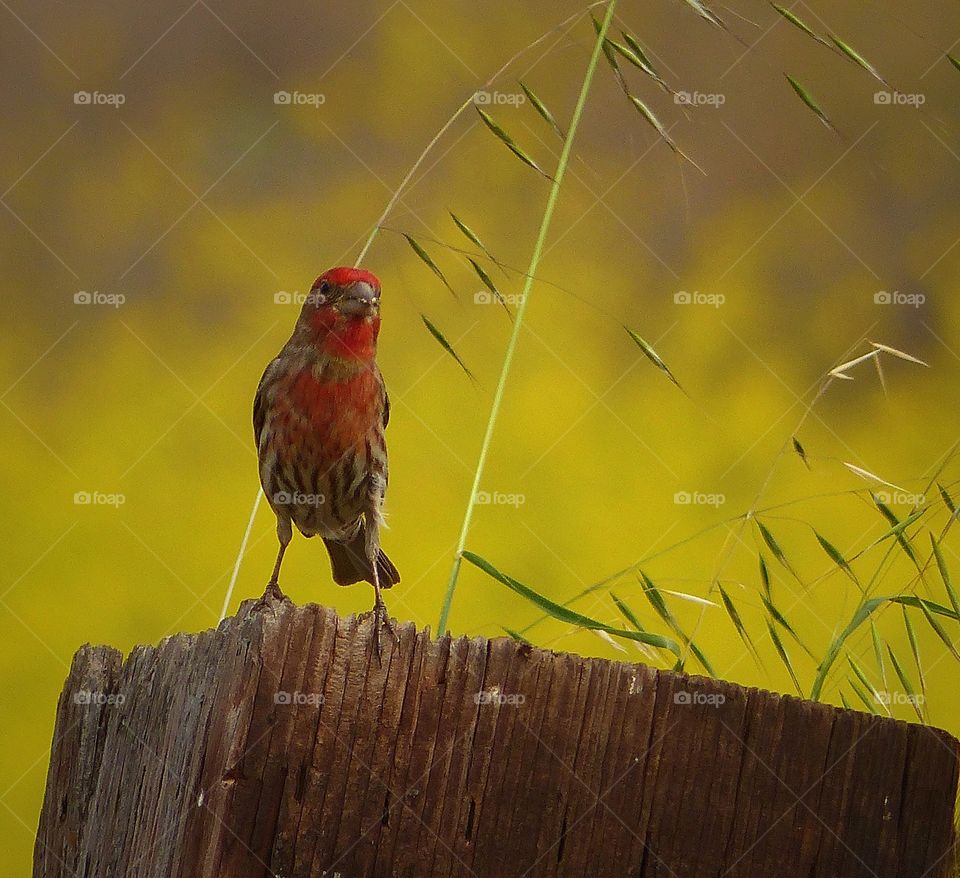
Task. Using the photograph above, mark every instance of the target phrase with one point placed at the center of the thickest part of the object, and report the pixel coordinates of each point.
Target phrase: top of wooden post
(278, 745)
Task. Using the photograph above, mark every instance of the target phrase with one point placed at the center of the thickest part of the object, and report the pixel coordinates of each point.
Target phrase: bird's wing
(385, 417)
(260, 403)
(385, 421)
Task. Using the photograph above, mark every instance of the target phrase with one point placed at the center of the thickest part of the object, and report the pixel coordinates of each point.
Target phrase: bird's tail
(350, 563)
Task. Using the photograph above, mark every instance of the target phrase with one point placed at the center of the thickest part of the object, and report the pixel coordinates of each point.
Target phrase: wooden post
(277, 745)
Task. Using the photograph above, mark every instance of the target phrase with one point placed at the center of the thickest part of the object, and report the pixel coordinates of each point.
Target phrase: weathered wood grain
(277, 745)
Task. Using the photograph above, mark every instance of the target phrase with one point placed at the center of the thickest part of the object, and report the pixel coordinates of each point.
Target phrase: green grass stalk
(521, 311)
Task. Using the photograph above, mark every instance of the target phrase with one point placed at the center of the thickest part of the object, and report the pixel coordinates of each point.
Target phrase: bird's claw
(271, 594)
(381, 619)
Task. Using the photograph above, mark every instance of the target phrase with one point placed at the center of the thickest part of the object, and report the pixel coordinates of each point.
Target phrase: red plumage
(319, 418)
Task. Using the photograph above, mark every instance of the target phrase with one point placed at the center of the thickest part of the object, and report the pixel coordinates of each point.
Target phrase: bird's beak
(359, 300)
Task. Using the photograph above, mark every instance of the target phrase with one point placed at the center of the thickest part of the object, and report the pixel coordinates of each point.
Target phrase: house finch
(318, 419)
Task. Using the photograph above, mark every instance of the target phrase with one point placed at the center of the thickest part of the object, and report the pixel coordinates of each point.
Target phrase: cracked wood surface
(277, 745)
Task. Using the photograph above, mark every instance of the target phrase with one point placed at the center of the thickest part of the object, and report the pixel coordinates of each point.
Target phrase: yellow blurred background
(156, 234)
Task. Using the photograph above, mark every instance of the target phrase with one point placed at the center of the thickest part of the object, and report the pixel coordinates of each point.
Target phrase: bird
(319, 417)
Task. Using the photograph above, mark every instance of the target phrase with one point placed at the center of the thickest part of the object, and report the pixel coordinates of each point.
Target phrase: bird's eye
(318, 296)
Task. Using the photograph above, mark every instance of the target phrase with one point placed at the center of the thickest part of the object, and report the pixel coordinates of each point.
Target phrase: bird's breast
(329, 414)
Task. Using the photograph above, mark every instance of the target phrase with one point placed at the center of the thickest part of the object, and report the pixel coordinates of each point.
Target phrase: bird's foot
(381, 619)
(271, 594)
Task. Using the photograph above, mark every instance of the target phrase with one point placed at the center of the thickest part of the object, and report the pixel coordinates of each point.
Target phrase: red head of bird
(341, 316)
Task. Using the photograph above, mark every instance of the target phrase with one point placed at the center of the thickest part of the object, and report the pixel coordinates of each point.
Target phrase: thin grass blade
(945, 575)
(947, 499)
(914, 648)
(911, 600)
(808, 99)
(691, 598)
(655, 596)
(798, 23)
(657, 125)
(784, 656)
(870, 477)
(841, 370)
(865, 682)
(862, 614)
(939, 630)
(898, 529)
(882, 378)
(774, 546)
(609, 53)
(878, 653)
(894, 352)
(781, 620)
(627, 613)
(640, 53)
(631, 617)
(659, 605)
(472, 236)
(516, 635)
(835, 555)
(906, 683)
(734, 615)
(857, 58)
(631, 56)
(764, 575)
(536, 256)
(652, 356)
(701, 657)
(864, 698)
(425, 258)
(508, 141)
(646, 65)
(438, 335)
(705, 13)
(541, 108)
(606, 638)
(489, 284)
(564, 614)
